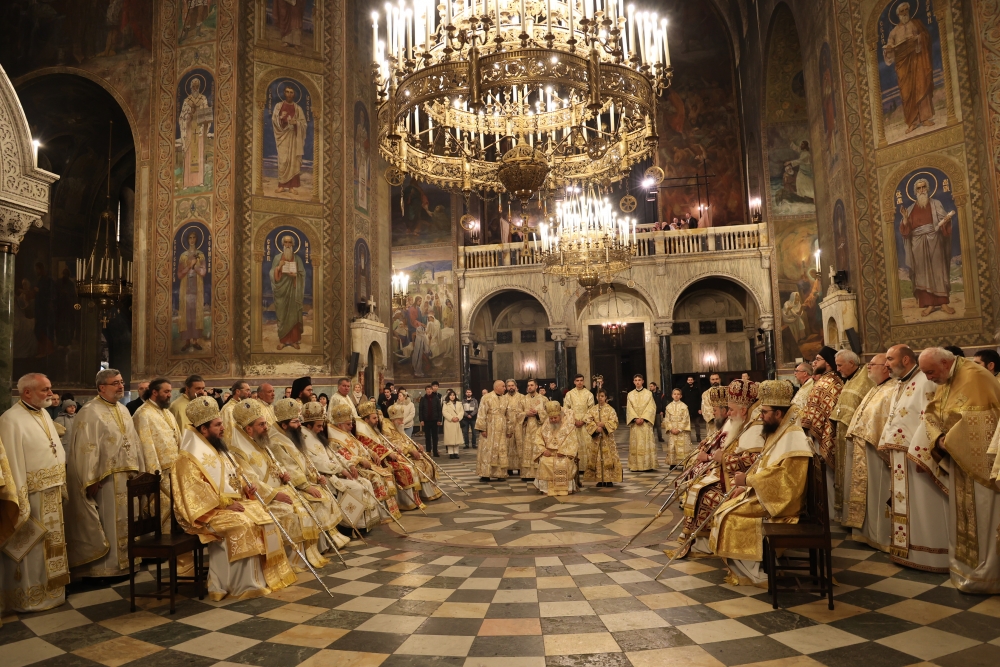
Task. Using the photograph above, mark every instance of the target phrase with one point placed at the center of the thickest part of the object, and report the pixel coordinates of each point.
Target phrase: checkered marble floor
(403, 602)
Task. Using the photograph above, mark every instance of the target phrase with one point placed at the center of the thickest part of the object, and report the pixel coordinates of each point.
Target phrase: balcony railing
(685, 242)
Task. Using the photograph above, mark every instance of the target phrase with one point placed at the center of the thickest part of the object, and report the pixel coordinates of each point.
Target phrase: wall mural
(800, 289)
(828, 92)
(421, 213)
(841, 241)
(424, 331)
(362, 161)
(697, 119)
(910, 70)
(288, 321)
(928, 248)
(290, 23)
(195, 138)
(363, 288)
(288, 142)
(191, 320)
(197, 21)
(790, 168)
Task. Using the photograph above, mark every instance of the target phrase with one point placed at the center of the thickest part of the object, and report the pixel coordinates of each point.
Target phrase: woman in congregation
(452, 414)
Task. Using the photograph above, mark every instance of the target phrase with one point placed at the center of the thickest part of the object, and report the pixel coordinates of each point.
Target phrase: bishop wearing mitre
(215, 499)
(392, 430)
(556, 448)
(105, 454)
(158, 431)
(408, 484)
(33, 565)
(773, 490)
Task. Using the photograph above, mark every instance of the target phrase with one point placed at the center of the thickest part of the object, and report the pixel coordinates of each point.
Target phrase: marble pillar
(6, 326)
(562, 372)
(769, 358)
(466, 368)
(666, 365)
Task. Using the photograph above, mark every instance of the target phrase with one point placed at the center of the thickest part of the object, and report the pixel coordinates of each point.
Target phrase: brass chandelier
(514, 95)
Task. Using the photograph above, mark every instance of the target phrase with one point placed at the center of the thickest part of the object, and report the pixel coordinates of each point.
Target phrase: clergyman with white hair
(34, 556)
(106, 453)
(856, 386)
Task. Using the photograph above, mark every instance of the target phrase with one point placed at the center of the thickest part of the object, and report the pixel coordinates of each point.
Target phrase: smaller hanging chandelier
(586, 240)
(614, 327)
(104, 279)
(400, 288)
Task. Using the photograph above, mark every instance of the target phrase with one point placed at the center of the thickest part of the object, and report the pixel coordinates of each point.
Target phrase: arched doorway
(510, 338)
(74, 119)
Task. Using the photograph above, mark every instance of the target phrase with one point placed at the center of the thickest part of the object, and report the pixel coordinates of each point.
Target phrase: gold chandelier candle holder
(468, 90)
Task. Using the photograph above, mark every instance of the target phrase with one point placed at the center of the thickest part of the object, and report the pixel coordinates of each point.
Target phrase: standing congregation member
(345, 397)
(660, 404)
(409, 411)
(639, 414)
(967, 397)
(452, 414)
(158, 431)
(470, 410)
(579, 400)
(105, 454)
(692, 399)
(430, 418)
(134, 404)
(33, 564)
(67, 419)
(677, 421)
(603, 464)
(491, 459)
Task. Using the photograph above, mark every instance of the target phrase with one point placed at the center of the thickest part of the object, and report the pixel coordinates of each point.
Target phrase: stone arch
(477, 306)
(759, 300)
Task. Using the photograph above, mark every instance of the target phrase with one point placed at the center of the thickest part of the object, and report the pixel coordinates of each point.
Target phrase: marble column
(466, 367)
(6, 325)
(664, 330)
(562, 373)
(767, 324)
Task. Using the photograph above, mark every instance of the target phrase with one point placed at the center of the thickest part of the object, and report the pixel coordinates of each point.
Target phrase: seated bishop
(251, 443)
(392, 430)
(361, 462)
(355, 494)
(773, 490)
(556, 445)
(214, 498)
(289, 446)
(407, 479)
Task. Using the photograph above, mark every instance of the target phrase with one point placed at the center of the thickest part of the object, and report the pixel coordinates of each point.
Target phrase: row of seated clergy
(751, 470)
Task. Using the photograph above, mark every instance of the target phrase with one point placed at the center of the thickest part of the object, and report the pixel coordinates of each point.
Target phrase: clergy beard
(217, 442)
(264, 439)
(736, 423)
(767, 429)
(163, 404)
(295, 435)
(720, 422)
(323, 437)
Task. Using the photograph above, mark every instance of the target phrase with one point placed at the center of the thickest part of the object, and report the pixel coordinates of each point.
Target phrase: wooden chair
(146, 540)
(812, 533)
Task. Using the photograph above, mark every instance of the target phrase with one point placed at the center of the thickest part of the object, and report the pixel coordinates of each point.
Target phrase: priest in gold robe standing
(158, 431)
(532, 417)
(240, 391)
(959, 420)
(639, 415)
(515, 432)
(105, 454)
(491, 422)
(867, 485)
(856, 386)
(556, 448)
(919, 489)
(33, 565)
(579, 400)
(773, 490)
(215, 501)
(603, 464)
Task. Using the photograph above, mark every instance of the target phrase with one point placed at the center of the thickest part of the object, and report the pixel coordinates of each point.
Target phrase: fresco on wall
(197, 21)
(287, 291)
(362, 157)
(290, 23)
(828, 92)
(928, 248)
(800, 289)
(841, 252)
(697, 118)
(421, 213)
(191, 321)
(910, 70)
(288, 142)
(424, 331)
(194, 138)
(362, 273)
(790, 168)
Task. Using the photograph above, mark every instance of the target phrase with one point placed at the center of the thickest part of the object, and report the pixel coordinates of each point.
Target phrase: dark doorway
(618, 360)
(480, 379)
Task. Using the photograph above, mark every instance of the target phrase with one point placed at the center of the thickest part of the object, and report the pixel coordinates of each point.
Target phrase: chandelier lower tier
(467, 88)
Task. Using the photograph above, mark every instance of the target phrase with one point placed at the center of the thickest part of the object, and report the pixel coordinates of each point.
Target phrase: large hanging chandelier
(587, 240)
(500, 95)
(104, 278)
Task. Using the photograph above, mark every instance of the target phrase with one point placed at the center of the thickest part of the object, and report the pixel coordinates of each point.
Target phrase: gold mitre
(341, 414)
(718, 397)
(396, 411)
(286, 409)
(313, 412)
(553, 408)
(776, 393)
(201, 410)
(366, 408)
(247, 412)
